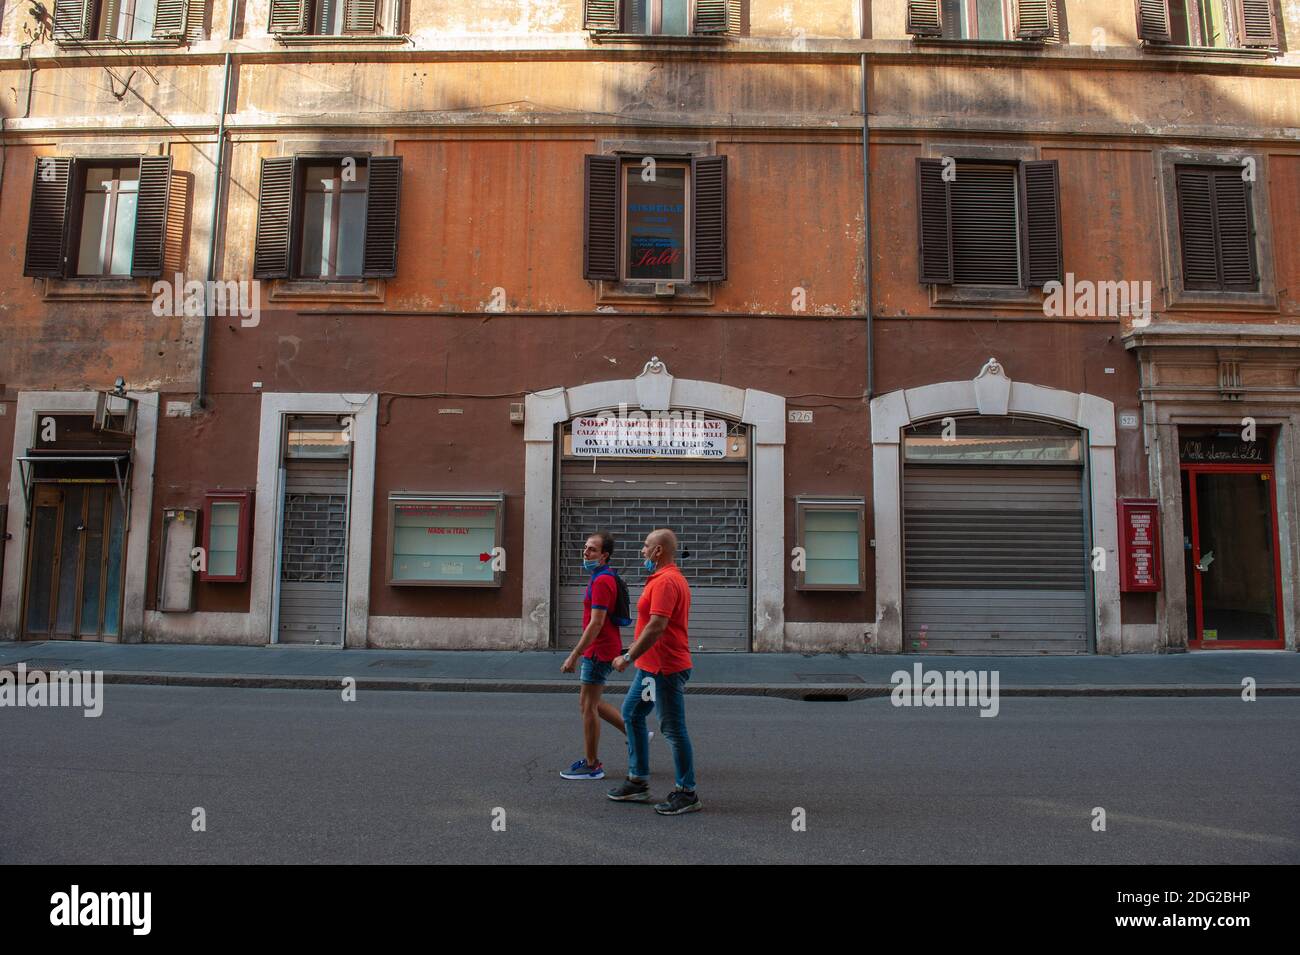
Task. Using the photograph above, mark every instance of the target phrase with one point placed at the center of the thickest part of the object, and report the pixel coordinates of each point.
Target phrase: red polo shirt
(666, 594)
(602, 594)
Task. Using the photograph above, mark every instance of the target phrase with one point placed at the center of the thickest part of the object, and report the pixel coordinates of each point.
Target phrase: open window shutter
(1153, 21)
(275, 205)
(48, 218)
(1196, 228)
(1256, 19)
(1033, 19)
(196, 25)
(934, 223)
(359, 16)
(151, 215)
(735, 17)
(169, 19)
(71, 19)
(602, 15)
(710, 16)
(383, 200)
(924, 18)
(1235, 227)
(600, 219)
(1041, 221)
(709, 219)
(288, 16)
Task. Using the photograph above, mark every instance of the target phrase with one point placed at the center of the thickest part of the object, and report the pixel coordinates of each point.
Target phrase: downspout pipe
(217, 184)
(866, 239)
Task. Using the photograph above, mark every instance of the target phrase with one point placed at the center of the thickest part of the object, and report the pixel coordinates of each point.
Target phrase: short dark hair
(606, 542)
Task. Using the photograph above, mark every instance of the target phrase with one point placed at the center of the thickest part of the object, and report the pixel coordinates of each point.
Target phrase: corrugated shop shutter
(706, 504)
(313, 553)
(995, 559)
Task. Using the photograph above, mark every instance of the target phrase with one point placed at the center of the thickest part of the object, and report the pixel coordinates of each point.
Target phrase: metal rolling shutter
(995, 560)
(705, 503)
(312, 555)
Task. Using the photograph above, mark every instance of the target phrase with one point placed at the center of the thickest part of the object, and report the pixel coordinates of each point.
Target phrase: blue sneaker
(581, 770)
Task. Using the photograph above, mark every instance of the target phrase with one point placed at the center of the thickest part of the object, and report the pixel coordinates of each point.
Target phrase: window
(990, 20)
(1212, 24)
(983, 223)
(128, 21)
(334, 17)
(227, 519)
(664, 17)
(1216, 229)
(830, 531)
(108, 206)
(660, 222)
(445, 540)
(98, 219)
(329, 218)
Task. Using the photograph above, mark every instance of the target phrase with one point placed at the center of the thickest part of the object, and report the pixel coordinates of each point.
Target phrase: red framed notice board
(1139, 545)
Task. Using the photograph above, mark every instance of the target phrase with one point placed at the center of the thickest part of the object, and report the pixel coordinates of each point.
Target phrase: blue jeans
(669, 701)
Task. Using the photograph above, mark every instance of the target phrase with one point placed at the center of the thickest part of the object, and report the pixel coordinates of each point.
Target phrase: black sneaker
(679, 801)
(632, 790)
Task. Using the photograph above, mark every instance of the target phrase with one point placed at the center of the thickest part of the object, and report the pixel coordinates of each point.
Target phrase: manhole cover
(402, 664)
(830, 678)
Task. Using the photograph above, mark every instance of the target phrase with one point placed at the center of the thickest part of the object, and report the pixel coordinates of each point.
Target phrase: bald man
(661, 652)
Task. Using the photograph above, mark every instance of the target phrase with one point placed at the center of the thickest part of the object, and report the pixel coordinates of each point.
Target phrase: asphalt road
(301, 776)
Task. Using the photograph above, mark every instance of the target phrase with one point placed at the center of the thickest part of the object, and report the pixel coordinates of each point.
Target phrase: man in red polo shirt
(661, 652)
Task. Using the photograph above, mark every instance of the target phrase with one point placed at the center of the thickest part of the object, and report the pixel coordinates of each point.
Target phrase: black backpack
(622, 603)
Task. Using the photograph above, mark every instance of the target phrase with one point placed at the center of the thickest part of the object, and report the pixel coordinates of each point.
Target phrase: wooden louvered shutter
(710, 16)
(196, 20)
(169, 19)
(924, 18)
(934, 223)
(602, 15)
(1196, 228)
(709, 219)
(1234, 228)
(359, 16)
(288, 16)
(47, 221)
(735, 17)
(71, 19)
(383, 202)
(151, 205)
(276, 202)
(1041, 222)
(600, 219)
(1153, 21)
(1256, 20)
(1033, 19)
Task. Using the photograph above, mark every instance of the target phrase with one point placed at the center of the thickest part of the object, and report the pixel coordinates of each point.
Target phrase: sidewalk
(829, 676)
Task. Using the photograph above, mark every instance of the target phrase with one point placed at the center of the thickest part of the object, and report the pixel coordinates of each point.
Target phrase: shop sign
(1139, 545)
(649, 436)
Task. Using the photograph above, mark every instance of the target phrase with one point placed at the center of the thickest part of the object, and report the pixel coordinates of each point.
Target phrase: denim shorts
(594, 671)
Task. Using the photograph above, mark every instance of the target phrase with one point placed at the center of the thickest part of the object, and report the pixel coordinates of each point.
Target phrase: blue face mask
(649, 566)
(590, 565)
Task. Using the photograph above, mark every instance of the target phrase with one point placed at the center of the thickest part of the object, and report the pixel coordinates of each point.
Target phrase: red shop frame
(1194, 641)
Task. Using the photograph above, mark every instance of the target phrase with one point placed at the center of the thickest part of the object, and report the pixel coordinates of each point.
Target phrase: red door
(1234, 575)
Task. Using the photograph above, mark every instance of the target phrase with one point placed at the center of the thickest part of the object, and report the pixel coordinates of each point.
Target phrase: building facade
(344, 323)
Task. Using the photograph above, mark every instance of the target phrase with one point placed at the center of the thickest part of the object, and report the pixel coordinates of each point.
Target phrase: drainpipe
(216, 212)
(866, 238)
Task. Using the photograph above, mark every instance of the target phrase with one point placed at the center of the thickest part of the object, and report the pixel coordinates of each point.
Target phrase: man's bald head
(663, 538)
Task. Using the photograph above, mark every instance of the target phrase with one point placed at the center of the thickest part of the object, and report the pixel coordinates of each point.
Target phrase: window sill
(315, 39)
(314, 290)
(701, 39)
(1036, 44)
(125, 289)
(640, 292)
(975, 296)
(163, 44)
(1236, 52)
(1209, 300)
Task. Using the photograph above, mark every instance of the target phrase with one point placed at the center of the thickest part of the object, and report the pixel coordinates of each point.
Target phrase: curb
(830, 692)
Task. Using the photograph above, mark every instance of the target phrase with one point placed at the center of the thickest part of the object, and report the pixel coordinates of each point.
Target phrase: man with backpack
(604, 610)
